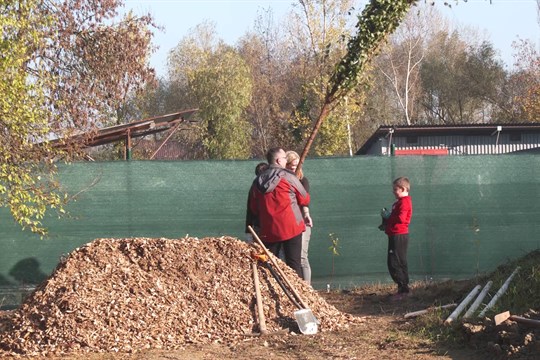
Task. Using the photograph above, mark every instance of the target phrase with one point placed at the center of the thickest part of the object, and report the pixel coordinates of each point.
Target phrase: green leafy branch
(378, 20)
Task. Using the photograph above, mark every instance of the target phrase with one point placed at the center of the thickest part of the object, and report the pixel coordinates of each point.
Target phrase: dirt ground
(383, 334)
(113, 299)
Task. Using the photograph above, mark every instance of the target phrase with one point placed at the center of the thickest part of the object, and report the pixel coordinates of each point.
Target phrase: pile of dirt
(126, 295)
(518, 337)
(509, 340)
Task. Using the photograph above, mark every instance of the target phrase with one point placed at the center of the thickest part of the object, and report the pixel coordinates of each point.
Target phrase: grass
(523, 290)
(475, 333)
(520, 296)
(431, 327)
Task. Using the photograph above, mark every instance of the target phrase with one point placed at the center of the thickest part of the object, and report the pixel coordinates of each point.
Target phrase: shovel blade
(307, 322)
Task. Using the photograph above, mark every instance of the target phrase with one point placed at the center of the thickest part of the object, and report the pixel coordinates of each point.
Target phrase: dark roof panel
(427, 130)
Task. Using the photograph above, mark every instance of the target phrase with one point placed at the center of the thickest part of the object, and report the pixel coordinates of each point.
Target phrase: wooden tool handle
(260, 310)
(279, 270)
(526, 321)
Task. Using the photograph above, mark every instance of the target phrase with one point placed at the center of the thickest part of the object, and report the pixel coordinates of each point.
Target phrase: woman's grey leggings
(306, 269)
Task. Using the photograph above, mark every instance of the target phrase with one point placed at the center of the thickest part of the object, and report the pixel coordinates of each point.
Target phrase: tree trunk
(322, 115)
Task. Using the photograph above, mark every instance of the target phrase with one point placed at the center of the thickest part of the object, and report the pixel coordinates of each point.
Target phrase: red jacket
(400, 218)
(276, 197)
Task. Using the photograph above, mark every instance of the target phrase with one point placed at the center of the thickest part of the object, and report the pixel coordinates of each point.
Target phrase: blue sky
(502, 21)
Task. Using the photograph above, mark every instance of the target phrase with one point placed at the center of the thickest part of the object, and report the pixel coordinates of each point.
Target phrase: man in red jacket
(397, 229)
(276, 198)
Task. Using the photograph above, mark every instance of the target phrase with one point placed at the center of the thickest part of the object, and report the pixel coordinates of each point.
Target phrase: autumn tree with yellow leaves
(66, 67)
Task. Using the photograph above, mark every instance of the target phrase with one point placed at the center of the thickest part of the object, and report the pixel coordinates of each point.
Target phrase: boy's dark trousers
(397, 261)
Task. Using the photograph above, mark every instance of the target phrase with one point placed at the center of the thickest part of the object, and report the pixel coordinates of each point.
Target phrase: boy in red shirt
(397, 229)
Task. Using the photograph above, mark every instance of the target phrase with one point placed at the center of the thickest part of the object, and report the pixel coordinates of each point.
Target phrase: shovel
(304, 316)
(263, 330)
(262, 258)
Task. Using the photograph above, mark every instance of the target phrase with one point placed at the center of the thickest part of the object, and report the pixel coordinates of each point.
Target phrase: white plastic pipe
(453, 316)
(478, 300)
(499, 293)
(425, 311)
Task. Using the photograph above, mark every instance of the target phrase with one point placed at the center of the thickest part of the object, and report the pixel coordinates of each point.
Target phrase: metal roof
(430, 130)
(133, 129)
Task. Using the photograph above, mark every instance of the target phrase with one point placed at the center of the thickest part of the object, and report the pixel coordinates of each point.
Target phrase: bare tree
(401, 59)
(265, 51)
(538, 10)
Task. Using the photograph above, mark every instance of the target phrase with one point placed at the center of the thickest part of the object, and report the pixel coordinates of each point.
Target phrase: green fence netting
(470, 213)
